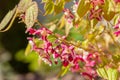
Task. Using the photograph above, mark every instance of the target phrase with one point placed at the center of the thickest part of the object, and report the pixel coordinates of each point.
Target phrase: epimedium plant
(90, 40)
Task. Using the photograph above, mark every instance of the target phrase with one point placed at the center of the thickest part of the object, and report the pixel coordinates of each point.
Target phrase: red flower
(65, 63)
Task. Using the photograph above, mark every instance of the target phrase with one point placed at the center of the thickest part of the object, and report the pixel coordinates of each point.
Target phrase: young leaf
(63, 71)
(68, 27)
(28, 49)
(83, 7)
(31, 15)
(62, 22)
(23, 5)
(107, 9)
(8, 20)
(112, 74)
(59, 7)
(49, 7)
(102, 73)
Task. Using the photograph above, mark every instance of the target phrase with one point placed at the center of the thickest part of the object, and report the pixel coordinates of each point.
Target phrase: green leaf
(31, 14)
(75, 34)
(28, 49)
(93, 22)
(23, 5)
(8, 20)
(49, 7)
(117, 8)
(112, 74)
(102, 73)
(31, 58)
(62, 22)
(83, 7)
(85, 43)
(99, 29)
(108, 73)
(59, 6)
(63, 71)
(108, 10)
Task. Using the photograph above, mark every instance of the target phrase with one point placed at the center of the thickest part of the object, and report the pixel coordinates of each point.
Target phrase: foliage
(89, 42)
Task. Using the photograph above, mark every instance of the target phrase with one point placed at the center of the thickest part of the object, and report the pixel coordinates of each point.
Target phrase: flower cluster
(117, 28)
(76, 58)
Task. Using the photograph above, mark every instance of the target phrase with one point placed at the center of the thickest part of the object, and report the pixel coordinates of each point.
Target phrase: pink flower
(77, 59)
(117, 33)
(75, 68)
(117, 1)
(47, 47)
(56, 55)
(117, 27)
(97, 2)
(65, 63)
(91, 59)
(43, 32)
(89, 72)
(87, 75)
(95, 14)
(31, 30)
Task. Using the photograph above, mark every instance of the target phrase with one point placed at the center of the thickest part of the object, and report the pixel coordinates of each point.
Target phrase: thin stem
(114, 40)
(63, 40)
(110, 33)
